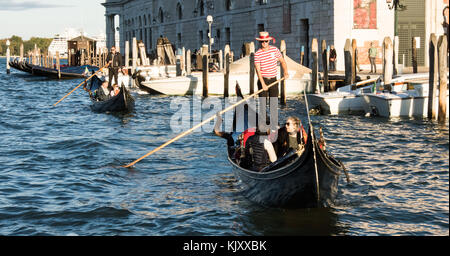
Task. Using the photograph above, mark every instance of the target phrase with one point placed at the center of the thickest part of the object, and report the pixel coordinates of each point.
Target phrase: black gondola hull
(20, 65)
(294, 185)
(53, 73)
(122, 102)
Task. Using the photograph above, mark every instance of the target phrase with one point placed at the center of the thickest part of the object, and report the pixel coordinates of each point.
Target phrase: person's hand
(264, 86)
(286, 76)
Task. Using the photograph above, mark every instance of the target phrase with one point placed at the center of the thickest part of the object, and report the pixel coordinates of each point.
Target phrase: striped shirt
(268, 61)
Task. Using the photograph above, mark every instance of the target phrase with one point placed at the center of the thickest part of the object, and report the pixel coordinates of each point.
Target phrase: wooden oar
(181, 135)
(79, 85)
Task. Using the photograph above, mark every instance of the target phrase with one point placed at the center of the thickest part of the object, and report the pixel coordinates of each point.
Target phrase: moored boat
(405, 103)
(65, 72)
(20, 65)
(155, 81)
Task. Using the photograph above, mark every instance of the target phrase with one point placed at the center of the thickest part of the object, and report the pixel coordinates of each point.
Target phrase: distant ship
(59, 43)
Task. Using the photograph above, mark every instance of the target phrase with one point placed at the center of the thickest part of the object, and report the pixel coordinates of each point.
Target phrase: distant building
(297, 22)
(59, 43)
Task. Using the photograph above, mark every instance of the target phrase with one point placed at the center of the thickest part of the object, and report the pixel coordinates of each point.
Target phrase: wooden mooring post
(325, 66)
(58, 65)
(8, 55)
(302, 54)
(433, 77)
(348, 62)
(226, 79)
(205, 70)
(135, 55)
(252, 68)
(188, 62)
(315, 65)
(387, 62)
(442, 56)
(395, 60)
(283, 84)
(414, 55)
(354, 63)
(21, 53)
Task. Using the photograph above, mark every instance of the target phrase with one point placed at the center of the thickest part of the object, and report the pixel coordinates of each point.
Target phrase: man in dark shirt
(333, 56)
(115, 63)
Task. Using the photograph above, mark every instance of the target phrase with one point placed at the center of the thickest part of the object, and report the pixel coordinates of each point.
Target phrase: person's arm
(284, 67)
(261, 79)
(120, 61)
(270, 150)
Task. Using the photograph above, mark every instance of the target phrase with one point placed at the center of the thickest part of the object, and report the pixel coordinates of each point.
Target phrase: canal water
(60, 174)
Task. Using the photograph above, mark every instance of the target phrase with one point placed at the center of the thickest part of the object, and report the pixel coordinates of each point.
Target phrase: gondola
(65, 72)
(19, 65)
(122, 102)
(291, 181)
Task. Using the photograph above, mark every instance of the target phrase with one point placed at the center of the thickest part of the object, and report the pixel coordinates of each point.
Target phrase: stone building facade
(235, 22)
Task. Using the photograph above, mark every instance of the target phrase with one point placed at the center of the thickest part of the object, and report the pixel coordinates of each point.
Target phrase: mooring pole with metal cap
(7, 57)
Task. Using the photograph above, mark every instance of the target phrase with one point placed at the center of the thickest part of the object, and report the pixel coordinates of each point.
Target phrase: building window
(218, 38)
(228, 36)
(200, 37)
(262, 2)
(286, 16)
(178, 40)
(179, 11)
(161, 15)
(260, 27)
(202, 8)
(228, 5)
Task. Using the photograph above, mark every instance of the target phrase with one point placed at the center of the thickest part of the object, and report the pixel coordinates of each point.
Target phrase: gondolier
(266, 60)
(266, 66)
(115, 65)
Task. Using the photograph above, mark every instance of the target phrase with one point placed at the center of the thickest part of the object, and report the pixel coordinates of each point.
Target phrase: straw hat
(264, 36)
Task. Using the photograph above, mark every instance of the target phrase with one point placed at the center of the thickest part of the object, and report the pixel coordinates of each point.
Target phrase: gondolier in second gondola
(114, 59)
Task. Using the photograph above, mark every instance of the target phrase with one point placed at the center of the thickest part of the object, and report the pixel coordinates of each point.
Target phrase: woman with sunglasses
(290, 137)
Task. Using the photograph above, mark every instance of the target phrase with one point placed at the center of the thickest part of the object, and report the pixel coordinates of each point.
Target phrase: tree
(16, 41)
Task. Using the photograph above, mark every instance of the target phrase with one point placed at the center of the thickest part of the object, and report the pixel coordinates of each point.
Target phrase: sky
(46, 18)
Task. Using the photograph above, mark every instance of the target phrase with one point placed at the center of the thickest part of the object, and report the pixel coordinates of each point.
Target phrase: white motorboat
(344, 100)
(169, 84)
(406, 103)
(347, 101)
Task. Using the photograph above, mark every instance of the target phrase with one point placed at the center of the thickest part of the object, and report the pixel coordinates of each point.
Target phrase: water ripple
(61, 172)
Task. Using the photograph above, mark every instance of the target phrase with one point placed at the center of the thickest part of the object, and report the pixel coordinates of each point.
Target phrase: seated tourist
(291, 137)
(259, 151)
(103, 92)
(115, 91)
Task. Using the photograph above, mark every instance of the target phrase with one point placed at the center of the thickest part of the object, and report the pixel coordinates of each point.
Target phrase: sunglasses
(265, 41)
